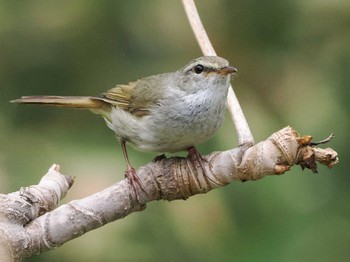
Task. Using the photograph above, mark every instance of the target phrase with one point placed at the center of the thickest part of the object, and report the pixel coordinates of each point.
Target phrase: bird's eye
(198, 69)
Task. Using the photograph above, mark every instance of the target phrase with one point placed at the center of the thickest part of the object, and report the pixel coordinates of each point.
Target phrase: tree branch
(28, 226)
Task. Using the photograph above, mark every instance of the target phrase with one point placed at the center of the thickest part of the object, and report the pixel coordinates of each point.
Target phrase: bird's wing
(120, 95)
(136, 97)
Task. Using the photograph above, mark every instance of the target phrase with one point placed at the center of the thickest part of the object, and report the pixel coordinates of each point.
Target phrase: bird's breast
(186, 123)
(174, 125)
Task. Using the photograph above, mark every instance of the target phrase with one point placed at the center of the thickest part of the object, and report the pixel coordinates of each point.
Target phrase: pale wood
(30, 224)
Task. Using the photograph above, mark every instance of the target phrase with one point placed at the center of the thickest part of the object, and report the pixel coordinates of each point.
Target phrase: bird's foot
(196, 159)
(135, 183)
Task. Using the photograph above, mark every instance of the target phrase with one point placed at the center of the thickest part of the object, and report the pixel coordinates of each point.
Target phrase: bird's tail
(81, 102)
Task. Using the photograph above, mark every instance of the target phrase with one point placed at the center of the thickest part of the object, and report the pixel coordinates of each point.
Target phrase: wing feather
(136, 97)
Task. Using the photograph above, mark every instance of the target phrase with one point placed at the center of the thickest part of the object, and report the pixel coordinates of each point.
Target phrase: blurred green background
(294, 69)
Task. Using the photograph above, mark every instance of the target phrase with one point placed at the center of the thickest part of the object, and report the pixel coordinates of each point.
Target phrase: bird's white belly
(168, 129)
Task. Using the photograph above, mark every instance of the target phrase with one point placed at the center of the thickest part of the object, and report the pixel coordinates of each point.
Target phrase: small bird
(167, 112)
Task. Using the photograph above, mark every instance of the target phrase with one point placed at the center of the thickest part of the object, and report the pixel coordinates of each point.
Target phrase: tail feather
(82, 102)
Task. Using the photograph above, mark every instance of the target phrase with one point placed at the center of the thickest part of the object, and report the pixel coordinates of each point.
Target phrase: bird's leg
(130, 172)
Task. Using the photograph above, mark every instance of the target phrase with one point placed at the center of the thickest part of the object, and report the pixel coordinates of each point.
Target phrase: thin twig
(324, 141)
(244, 134)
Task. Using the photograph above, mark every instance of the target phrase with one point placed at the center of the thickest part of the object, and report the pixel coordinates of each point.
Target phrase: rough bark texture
(29, 224)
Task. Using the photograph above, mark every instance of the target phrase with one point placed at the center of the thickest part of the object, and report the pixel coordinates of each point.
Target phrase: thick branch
(20, 208)
(24, 231)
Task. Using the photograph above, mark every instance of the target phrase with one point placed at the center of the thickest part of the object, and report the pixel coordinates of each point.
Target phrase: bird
(166, 112)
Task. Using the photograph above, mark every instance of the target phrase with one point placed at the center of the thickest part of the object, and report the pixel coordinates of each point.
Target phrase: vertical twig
(245, 137)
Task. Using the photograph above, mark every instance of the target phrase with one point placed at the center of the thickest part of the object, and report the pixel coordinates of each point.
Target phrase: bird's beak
(227, 70)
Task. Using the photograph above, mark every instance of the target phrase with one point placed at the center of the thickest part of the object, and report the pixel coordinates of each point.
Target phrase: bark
(30, 224)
